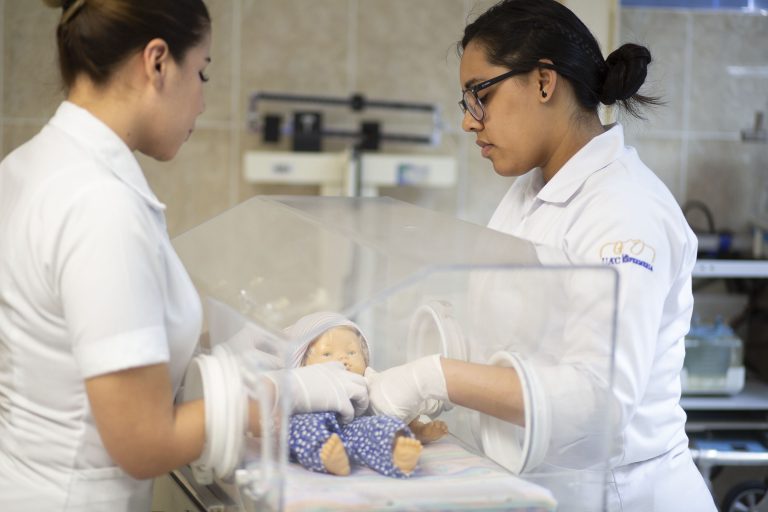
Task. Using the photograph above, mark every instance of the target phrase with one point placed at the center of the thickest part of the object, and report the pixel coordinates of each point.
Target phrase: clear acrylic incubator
(417, 283)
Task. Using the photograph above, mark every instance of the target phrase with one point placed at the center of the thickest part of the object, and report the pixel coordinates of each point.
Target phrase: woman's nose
(470, 124)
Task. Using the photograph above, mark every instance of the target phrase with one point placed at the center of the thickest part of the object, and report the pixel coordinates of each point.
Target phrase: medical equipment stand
(719, 417)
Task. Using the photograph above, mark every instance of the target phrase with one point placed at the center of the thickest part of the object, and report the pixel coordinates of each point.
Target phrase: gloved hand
(323, 387)
(430, 407)
(409, 390)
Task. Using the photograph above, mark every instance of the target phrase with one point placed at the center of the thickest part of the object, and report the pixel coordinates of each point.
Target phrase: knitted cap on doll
(309, 327)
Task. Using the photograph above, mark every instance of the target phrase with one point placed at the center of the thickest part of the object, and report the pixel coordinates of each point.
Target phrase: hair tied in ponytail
(60, 4)
(627, 68)
(71, 9)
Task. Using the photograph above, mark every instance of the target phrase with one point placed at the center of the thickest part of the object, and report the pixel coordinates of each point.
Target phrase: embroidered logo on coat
(628, 251)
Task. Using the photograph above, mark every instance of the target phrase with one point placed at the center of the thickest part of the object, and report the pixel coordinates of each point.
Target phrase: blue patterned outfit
(368, 440)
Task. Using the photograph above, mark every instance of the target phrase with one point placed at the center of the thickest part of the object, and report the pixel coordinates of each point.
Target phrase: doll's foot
(406, 454)
(334, 456)
(428, 432)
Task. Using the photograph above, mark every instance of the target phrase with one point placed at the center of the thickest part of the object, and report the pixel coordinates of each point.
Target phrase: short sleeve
(109, 272)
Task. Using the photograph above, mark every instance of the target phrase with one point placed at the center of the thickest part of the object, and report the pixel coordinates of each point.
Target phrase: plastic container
(714, 360)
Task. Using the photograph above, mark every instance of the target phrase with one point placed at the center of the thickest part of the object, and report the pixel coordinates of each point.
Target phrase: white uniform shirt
(89, 284)
(604, 206)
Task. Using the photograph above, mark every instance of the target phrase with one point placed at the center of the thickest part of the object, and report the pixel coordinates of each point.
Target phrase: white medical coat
(89, 285)
(605, 207)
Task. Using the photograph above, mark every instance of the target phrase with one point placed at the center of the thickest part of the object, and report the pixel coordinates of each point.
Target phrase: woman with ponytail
(532, 78)
(98, 318)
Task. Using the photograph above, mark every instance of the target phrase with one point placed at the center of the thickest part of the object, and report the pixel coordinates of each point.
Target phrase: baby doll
(319, 442)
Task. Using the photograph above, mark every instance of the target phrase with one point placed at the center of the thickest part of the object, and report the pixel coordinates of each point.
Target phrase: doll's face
(338, 344)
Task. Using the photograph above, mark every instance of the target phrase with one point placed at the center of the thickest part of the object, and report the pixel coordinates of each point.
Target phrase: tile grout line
(352, 13)
(236, 120)
(223, 125)
(693, 135)
(687, 80)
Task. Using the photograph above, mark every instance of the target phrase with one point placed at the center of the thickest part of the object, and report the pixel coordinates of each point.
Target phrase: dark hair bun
(627, 68)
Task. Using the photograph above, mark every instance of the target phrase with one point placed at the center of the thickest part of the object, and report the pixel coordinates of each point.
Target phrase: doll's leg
(334, 456)
(314, 442)
(382, 443)
(406, 453)
(429, 431)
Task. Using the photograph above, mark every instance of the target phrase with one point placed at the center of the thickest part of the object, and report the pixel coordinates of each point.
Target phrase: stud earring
(543, 93)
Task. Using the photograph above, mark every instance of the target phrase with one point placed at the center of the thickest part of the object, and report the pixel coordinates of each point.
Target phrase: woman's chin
(507, 171)
(503, 170)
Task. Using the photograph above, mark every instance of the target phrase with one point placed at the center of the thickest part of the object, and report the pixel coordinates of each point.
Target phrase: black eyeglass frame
(493, 81)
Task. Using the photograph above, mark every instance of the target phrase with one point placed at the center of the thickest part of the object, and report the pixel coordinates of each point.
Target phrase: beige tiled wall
(405, 50)
(693, 142)
(385, 49)
(31, 87)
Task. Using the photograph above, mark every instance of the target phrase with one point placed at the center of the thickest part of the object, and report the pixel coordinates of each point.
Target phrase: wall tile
(729, 177)
(477, 7)
(194, 185)
(724, 102)
(407, 51)
(664, 33)
(218, 89)
(295, 46)
(30, 74)
(663, 157)
(759, 162)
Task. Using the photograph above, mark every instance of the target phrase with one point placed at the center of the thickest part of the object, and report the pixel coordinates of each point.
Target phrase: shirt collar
(103, 144)
(595, 155)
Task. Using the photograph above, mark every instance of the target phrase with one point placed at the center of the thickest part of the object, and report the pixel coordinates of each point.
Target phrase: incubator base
(449, 478)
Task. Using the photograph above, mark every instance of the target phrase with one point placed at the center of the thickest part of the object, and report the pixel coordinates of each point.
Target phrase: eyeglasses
(469, 100)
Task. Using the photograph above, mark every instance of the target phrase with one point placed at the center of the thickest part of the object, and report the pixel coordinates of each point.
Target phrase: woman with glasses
(533, 77)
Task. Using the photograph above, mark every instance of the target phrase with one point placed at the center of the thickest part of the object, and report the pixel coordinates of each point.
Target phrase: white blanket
(449, 477)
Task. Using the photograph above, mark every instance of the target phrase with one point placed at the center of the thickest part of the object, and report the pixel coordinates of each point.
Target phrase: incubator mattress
(450, 478)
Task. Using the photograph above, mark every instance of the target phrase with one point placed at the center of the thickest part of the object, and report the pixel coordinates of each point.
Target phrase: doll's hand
(323, 387)
(408, 390)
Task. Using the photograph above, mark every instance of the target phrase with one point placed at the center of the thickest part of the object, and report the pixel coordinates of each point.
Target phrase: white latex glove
(323, 387)
(409, 390)
(434, 408)
(430, 407)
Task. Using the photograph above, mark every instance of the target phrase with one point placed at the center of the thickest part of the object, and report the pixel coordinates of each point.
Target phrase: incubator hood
(417, 283)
